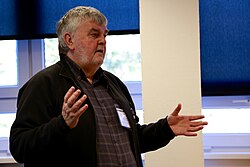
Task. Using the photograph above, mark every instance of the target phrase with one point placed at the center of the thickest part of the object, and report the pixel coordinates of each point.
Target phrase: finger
(82, 110)
(73, 98)
(198, 123)
(190, 134)
(69, 93)
(176, 110)
(192, 131)
(78, 103)
(196, 117)
(195, 129)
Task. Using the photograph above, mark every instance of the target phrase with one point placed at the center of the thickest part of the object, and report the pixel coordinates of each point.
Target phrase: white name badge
(123, 118)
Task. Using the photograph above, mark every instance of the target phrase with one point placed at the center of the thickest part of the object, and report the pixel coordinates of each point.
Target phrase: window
(14, 69)
(224, 43)
(8, 86)
(228, 134)
(8, 68)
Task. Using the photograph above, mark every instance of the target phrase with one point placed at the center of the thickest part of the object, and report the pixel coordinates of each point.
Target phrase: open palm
(184, 124)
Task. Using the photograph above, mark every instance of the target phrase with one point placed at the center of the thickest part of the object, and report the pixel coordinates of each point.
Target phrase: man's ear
(68, 40)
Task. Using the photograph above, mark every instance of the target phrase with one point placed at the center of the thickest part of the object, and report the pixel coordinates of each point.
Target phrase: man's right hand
(72, 110)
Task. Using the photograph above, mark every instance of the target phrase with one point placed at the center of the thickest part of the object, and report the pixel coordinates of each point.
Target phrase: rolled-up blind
(37, 18)
(225, 47)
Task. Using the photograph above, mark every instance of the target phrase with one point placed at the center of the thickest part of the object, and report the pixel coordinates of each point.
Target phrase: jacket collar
(68, 66)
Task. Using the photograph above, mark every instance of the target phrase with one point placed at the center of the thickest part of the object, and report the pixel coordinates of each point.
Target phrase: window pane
(6, 120)
(123, 56)
(51, 51)
(235, 120)
(8, 63)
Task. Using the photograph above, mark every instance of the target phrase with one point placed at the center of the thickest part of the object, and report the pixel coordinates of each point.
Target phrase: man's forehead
(93, 26)
(98, 29)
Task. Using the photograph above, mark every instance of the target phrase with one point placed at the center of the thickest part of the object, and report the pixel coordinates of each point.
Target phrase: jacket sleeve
(38, 127)
(154, 135)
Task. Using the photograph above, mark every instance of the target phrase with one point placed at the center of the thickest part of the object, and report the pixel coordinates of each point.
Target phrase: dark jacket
(40, 137)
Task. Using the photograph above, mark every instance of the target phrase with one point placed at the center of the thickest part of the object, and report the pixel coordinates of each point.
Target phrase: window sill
(227, 155)
(7, 159)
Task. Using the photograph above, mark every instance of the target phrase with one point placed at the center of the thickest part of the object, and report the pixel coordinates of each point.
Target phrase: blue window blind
(225, 47)
(37, 18)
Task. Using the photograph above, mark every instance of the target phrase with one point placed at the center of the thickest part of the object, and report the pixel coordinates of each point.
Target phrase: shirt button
(120, 163)
(114, 142)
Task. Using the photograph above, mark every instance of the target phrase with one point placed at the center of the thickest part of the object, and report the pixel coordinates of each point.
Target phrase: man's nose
(102, 40)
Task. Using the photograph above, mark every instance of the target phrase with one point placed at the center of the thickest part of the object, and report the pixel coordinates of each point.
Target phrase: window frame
(9, 92)
(29, 62)
(8, 95)
(226, 146)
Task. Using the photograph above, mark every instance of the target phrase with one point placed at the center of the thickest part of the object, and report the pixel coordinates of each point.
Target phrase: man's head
(72, 19)
(82, 35)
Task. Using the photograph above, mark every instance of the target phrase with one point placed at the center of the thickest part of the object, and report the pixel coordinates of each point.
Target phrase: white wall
(170, 74)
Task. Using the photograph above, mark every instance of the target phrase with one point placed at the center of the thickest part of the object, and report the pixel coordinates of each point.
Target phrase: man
(76, 114)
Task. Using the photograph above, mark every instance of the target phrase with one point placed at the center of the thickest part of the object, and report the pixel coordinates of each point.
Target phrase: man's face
(89, 45)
